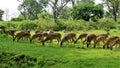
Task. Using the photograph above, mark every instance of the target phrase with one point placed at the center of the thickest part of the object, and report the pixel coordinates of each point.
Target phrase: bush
(61, 25)
(46, 24)
(9, 24)
(106, 23)
(27, 25)
(72, 24)
(17, 19)
(118, 26)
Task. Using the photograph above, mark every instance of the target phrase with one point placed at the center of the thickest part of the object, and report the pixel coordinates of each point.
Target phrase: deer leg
(106, 43)
(61, 43)
(95, 44)
(108, 46)
(112, 45)
(19, 38)
(88, 43)
(14, 38)
(32, 39)
(43, 43)
(84, 41)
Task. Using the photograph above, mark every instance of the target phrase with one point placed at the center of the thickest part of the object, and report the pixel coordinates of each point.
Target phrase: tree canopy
(86, 11)
(31, 8)
(113, 7)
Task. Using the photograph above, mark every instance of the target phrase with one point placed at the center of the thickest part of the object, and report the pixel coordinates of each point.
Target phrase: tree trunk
(115, 15)
(25, 17)
(55, 16)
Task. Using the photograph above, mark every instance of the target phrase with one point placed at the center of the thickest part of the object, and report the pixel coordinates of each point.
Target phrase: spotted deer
(51, 36)
(81, 36)
(24, 33)
(115, 42)
(110, 41)
(69, 36)
(89, 38)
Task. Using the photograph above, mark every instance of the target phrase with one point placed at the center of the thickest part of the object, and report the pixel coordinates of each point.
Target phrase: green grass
(68, 56)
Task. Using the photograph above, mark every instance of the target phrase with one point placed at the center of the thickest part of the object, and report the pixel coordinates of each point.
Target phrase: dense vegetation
(82, 16)
(62, 24)
(24, 54)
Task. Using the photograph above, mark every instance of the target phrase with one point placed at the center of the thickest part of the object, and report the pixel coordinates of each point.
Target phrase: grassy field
(22, 54)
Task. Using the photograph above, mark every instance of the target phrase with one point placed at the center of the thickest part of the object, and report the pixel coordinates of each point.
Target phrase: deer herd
(71, 37)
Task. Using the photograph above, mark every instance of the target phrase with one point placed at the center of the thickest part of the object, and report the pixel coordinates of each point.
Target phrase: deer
(51, 36)
(116, 41)
(110, 41)
(39, 31)
(67, 37)
(89, 38)
(106, 34)
(50, 31)
(81, 36)
(101, 37)
(37, 35)
(24, 33)
(8, 32)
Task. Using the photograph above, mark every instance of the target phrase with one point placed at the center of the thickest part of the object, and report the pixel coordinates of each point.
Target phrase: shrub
(46, 24)
(118, 26)
(106, 23)
(9, 24)
(72, 24)
(27, 24)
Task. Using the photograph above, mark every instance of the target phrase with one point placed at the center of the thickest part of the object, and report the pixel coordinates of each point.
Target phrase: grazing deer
(101, 37)
(37, 35)
(67, 37)
(89, 38)
(39, 31)
(50, 31)
(8, 32)
(24, 33)
(106, 35)
(81, 36)
(110, 41)
(51, 36)
(117, 41)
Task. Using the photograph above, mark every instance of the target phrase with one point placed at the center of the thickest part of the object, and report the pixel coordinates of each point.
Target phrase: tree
(1, 13)
(65, 13)
(31, 8)
(57, 7)
(74, 2)
(7, 15)
(113, 7)
(87, 10)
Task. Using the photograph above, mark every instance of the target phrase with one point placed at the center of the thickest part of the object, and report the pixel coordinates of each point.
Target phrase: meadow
(22, 54)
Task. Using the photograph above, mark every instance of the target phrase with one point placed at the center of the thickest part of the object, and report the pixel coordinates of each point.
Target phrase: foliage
(57, 7)
(27, 25)
(24, 55)
(86, 11)
(107, 23)
(45, 15)
(1, 13)
(31, 8)
(10, 24)
(113, 7)
(62, 24)
(65, 13)
(46, 24)
(20, 18)
(72, 25)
